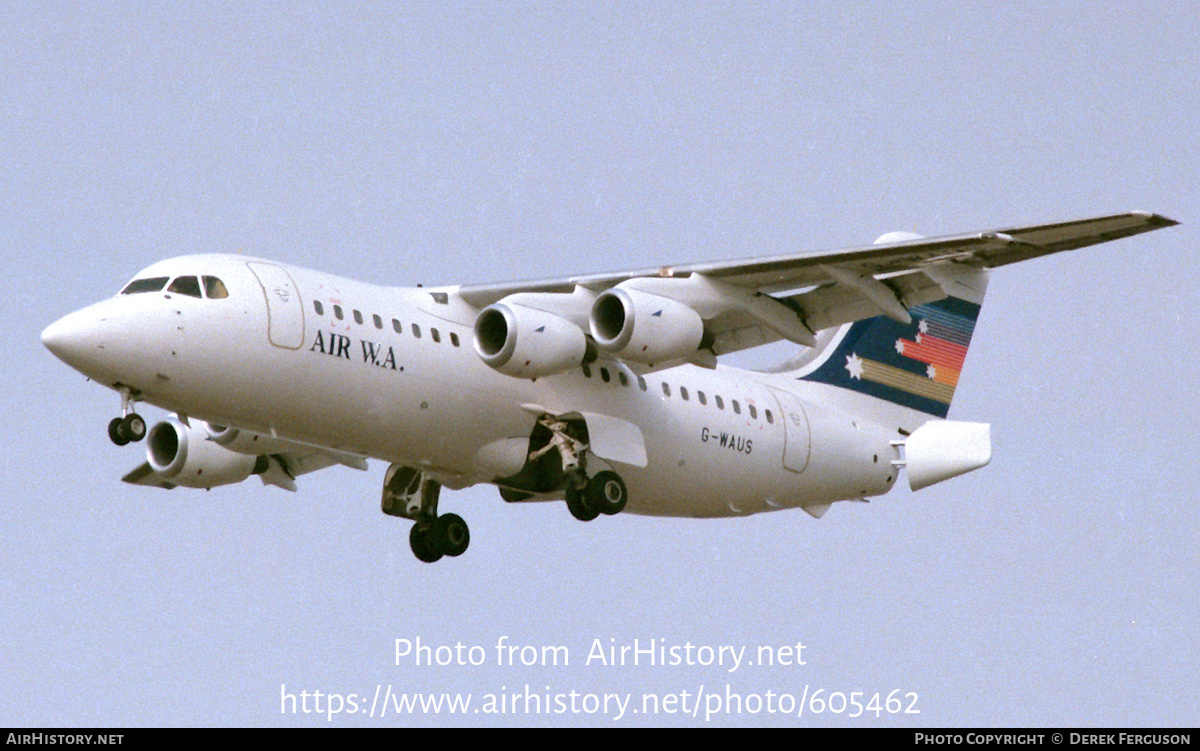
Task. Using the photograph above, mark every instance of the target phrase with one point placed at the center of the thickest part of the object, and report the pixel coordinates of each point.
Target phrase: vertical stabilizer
(916, 365)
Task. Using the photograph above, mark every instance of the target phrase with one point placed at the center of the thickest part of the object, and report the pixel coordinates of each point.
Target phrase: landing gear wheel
(579, 506)
(450, 535)
(116, 431)
(606, 493)
(134, 427)
(421, 544)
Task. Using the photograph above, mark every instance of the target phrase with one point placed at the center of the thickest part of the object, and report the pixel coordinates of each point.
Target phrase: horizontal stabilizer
(940, 449)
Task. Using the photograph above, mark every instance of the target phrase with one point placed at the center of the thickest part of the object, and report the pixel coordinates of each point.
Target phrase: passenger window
(703, 399)
(666, 389)
(624, 378)
(683, 393)
(770, 417)
(737, 408)
(753, 412)
(436, 336)
(358, 317)
(317, 306)
(214, 288)
(396, 327)
(720, 402)
(416, 331)
(185, 285)
(604, 376)
(145, 285)
(587, 371)
(454, 338)
(337, 312)
(378, 321)
(641, 383)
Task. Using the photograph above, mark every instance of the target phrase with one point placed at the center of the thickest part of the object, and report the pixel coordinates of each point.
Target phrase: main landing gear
(556, 466)
(410, 493)
(604, 493)
(130, 427)
(587, 498)
(558, 462)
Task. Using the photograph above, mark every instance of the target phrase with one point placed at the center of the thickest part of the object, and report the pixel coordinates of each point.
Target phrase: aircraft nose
(58, 336)
(73, 338)
(110, 342)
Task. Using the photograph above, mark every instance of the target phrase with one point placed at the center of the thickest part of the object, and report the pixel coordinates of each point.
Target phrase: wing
(756, 301)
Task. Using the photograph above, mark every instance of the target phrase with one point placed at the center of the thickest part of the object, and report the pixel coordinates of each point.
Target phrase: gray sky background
(446, 142)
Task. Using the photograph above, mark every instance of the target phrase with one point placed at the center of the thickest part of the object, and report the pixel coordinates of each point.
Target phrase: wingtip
(1156, 220)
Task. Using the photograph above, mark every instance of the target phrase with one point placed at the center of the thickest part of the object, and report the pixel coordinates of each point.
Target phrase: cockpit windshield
(214, 288)
(185, 285)
(145, 285)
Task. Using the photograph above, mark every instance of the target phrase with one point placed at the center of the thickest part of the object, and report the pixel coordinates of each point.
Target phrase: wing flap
(833, 305)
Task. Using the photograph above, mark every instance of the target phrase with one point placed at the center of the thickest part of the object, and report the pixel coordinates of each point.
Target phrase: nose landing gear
(130, 427)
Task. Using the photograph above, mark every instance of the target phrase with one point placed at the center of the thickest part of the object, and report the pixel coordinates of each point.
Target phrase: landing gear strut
(571, 451)
(130, 426)
(410, 493)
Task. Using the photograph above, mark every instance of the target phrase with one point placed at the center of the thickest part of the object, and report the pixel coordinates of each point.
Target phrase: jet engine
(245, 441)
(185, 456)
(645, 327)
(525, 342)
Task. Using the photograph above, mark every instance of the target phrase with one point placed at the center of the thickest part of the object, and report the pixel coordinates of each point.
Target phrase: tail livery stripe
(896, 378)
(932, 351)
(935, 316)
(946, 333)
(916, 365)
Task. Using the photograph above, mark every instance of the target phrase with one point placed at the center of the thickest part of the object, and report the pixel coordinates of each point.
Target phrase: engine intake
(644, 327)
(245, 441)
(524, 342)
(185, 456)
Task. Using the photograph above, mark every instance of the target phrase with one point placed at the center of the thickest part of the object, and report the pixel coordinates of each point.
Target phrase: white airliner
(601, 390)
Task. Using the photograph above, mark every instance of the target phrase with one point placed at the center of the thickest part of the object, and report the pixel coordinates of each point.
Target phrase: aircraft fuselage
(391, 373)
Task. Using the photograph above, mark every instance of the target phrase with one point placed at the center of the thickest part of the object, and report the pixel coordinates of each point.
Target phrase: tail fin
(915, 365)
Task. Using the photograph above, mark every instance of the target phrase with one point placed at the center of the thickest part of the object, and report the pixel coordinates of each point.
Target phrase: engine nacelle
(185, 456)
(524, 342)
(245, 441)
(644, 327)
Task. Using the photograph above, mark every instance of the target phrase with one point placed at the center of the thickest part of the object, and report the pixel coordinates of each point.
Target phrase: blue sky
(449, 142)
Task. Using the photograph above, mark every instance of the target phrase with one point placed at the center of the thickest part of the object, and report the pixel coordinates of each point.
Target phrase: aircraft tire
(450, 535)
(606, 493)
(421, 544)
(580, 506)
(116, 432)
(134, 427)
